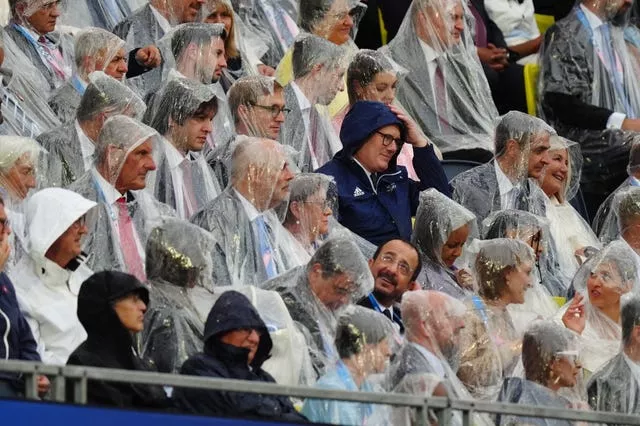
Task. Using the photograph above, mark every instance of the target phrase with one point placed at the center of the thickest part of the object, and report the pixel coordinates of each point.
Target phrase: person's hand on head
(266, 70)
(149, 56)
(414, 136)
(574, 318)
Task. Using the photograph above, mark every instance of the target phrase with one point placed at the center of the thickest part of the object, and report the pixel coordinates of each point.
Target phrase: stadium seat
(531, 87)
(453, 168)
(544, 22)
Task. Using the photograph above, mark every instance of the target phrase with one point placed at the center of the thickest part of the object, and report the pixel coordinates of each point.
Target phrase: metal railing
(78, 377)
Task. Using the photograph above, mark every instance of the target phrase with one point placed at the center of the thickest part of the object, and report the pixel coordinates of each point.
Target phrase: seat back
(453, 168)
(531, 72)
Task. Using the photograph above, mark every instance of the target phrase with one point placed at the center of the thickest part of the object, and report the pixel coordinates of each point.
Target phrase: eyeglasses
(324, 205)
(403, 267)
(387, 139)
(571, 356)
(274, 109)
(4, 225)
(79, 223)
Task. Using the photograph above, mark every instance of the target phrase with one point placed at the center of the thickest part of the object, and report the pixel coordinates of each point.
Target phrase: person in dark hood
(237, 343)
(370, 183)
(111, 308)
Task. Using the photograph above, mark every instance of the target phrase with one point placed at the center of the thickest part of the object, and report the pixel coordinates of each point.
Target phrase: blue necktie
(610, 54)
(266, 251)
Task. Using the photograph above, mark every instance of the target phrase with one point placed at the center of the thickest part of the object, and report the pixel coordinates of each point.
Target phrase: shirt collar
(433, 360)
(593, 19)
(303, 101)
(31, 32)
(429, 52)
(504, 183)
(162, 21)
(87, 145)
(110, 193)
(174, 157)
(249, 208)
(635, 368)
(382, 308)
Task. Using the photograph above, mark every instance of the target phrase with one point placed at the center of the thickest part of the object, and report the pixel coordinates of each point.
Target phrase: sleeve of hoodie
(28, 348)
(431, 174)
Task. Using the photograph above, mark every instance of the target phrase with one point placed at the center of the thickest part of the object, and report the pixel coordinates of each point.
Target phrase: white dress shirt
(87, 147)
(433, 360)
(516, 20)
(431, 56)
(508, 191)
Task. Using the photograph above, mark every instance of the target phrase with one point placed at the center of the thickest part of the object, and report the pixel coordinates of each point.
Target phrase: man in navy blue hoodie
(376, 197)
(18, 342)
(236, 343)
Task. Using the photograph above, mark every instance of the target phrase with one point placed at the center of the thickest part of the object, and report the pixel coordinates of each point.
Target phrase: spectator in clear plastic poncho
(395, 266)
(237, 343)
(150, 23)
(336, 276)
(370, 183)
(72, 146)
(594, 311)
(615, 386)
(49, 276)
(446, 90)
(256, 105)
(534, 231)
(626, 205)
(490, 343)
(125, 215)
(560, 182)
(95, 50)
(18, 176)
(177, 261)
(589, 92)
(508, 182)
(442, 229)
(318, 71)
(32, 28)
(242, 219)
(605, 223)
(363, 345)
(183, 179)
(552, 368)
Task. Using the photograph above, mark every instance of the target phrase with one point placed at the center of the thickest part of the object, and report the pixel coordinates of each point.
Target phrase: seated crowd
(192, 188)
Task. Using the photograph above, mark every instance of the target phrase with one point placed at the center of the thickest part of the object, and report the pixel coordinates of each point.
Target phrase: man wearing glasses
(376, 197)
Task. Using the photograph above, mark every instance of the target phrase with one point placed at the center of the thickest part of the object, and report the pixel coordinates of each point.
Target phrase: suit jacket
(29, 50)
(397, 317)
(64, 162)
(410, 361)
(65, 101)
(610, 388)
(294, 133)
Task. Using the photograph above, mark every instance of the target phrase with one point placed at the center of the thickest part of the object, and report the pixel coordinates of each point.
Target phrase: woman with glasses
(376, 197)
(601, 284)
(48, 278)
(442, 229)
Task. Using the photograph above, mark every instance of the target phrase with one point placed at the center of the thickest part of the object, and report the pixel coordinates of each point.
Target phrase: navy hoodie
(233, 311)
(384, 212)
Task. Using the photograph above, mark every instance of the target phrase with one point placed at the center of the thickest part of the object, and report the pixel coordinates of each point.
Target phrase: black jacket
(110, 345)
(233, 311)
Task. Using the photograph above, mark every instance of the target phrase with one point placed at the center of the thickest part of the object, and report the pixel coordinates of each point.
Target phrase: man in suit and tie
(318, 71)
(242, 219)
(395, 267)
(616, 386)
(32, 28)
(508, 182)
(71, 147)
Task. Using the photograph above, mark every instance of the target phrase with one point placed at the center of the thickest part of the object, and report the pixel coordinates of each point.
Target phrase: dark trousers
(507, 88)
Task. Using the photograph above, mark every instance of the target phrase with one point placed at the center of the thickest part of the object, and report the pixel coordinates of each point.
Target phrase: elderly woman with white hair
(18, 159)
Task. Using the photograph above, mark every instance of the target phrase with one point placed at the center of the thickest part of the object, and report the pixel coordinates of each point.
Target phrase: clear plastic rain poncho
(318, 69)
(601, 284)
(605, 224)
(616, 386)
(95, 48)
(427, 363)
(627, 210)
(47, 291)
(577, 60)
(183, 179)
(551, 359)
(442, 229)
(53, 56)
(122, 221)
(506, 182)
(103, 14)
(315, 294)
(18, 175)
(446, 91)
(245, 226)
(534, 231)
(24, 91)
(490, 344)
(177, 261)
(363, 341)
(569, 231)
(71, 150)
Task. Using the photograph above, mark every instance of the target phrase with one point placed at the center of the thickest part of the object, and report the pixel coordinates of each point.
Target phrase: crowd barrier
(77, 377)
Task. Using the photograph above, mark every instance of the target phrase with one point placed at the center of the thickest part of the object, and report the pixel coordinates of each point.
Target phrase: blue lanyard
(482, 311)
(42, 51)
(378, 308)
(78, 84)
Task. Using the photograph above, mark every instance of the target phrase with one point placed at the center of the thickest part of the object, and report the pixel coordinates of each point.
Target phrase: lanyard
(378, 308)
(78, 84)
(43, 51)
